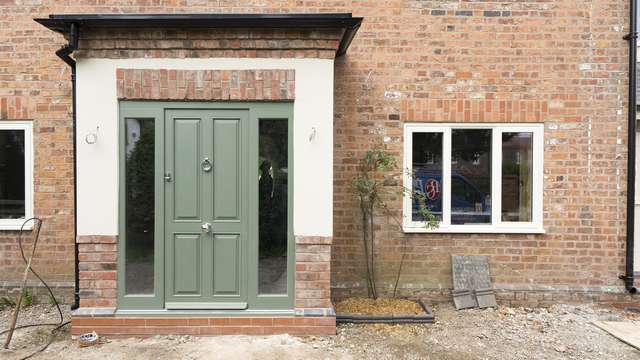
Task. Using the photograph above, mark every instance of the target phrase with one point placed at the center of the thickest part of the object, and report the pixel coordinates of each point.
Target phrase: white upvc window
(474, 178)
(16, 174)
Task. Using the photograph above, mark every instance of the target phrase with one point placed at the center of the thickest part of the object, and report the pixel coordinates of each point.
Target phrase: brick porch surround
(313, 312)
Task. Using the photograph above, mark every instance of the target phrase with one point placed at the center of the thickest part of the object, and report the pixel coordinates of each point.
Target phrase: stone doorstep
(256, 325)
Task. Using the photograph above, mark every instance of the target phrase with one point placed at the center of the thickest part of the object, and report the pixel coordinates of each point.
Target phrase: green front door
(206, 209)
(206, 206)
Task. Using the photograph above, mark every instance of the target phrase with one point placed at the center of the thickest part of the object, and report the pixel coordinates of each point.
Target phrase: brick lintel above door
(206, 85)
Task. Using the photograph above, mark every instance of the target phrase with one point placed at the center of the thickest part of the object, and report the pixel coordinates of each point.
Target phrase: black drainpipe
(63, 53)
(632, 37)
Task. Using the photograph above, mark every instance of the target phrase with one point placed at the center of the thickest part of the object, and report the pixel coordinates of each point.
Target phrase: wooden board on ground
(626, 331)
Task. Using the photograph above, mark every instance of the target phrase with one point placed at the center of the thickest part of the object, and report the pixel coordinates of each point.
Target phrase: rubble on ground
(505, 333)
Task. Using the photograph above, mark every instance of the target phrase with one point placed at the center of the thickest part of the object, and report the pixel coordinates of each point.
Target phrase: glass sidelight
(139, 205)
(273, 188)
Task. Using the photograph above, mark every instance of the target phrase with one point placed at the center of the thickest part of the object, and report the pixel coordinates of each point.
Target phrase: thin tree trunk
(363, 209)
(404, 252)
(373, 250)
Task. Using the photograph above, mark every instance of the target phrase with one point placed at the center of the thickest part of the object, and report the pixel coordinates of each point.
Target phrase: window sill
(8, 225)
(474, 229)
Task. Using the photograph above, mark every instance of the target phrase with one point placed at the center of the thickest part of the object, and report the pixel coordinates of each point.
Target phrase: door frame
(156, 110)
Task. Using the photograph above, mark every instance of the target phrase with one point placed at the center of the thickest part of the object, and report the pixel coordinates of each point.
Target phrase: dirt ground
(560, 332)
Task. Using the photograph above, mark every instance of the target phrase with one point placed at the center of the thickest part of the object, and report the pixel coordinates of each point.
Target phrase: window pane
(12, 191)
(427, 174)
(273, 206)
(471, 176)
(140, 205)
(517, 163)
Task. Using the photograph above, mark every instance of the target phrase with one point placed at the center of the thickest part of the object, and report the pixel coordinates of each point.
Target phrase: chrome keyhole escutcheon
(206, 227)
(206, 165)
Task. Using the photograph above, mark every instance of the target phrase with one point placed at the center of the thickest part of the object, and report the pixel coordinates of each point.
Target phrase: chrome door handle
(206, 227)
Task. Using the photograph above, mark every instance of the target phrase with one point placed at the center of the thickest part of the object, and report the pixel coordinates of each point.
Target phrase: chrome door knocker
(206, 165)
(206, 227)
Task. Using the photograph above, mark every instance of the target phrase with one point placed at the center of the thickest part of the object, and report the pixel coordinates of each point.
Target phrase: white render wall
(97, 112)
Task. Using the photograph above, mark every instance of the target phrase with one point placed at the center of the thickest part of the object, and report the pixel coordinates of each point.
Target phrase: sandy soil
(560, 332)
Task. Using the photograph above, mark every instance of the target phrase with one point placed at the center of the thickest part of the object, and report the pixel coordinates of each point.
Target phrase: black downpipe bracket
(63, 53)
(632, 37)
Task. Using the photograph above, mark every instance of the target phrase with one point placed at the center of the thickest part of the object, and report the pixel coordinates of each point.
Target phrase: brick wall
(35, 86)
(557, 62)
(97, 266)
(313, 274)
(411, 61)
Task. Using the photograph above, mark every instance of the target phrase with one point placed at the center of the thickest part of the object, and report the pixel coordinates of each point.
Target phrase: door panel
(186, 273)
(226, 265)
(187, 173)
(226, 154)
(206, 193)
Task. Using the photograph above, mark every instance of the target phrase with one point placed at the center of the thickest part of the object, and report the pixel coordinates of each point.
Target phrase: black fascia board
(61, 23)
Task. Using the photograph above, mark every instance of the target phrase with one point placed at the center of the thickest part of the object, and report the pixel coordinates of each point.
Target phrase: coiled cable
(58, 325)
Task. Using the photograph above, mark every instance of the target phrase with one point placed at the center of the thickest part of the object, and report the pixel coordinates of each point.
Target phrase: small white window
(478, 178)
(16, 174)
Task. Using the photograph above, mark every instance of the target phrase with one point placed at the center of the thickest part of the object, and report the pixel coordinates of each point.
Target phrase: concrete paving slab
(626, 331)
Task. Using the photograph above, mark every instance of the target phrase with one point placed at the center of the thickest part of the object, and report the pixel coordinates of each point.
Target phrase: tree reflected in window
(140, 205)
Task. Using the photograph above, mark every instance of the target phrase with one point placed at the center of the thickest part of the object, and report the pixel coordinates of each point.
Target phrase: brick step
(143, 326)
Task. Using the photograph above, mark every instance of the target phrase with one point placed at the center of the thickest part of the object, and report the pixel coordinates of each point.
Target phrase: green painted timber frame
(156, 110)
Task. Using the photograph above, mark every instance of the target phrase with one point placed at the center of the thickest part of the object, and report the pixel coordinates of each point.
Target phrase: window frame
(27, 127)
(497, 225)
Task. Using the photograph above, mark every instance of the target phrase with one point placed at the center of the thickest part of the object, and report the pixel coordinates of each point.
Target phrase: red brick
(262, 321)
(239, 321)
(135, 321)
(150, 81)
(219, 321)
(198, 322)
(166, 322)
